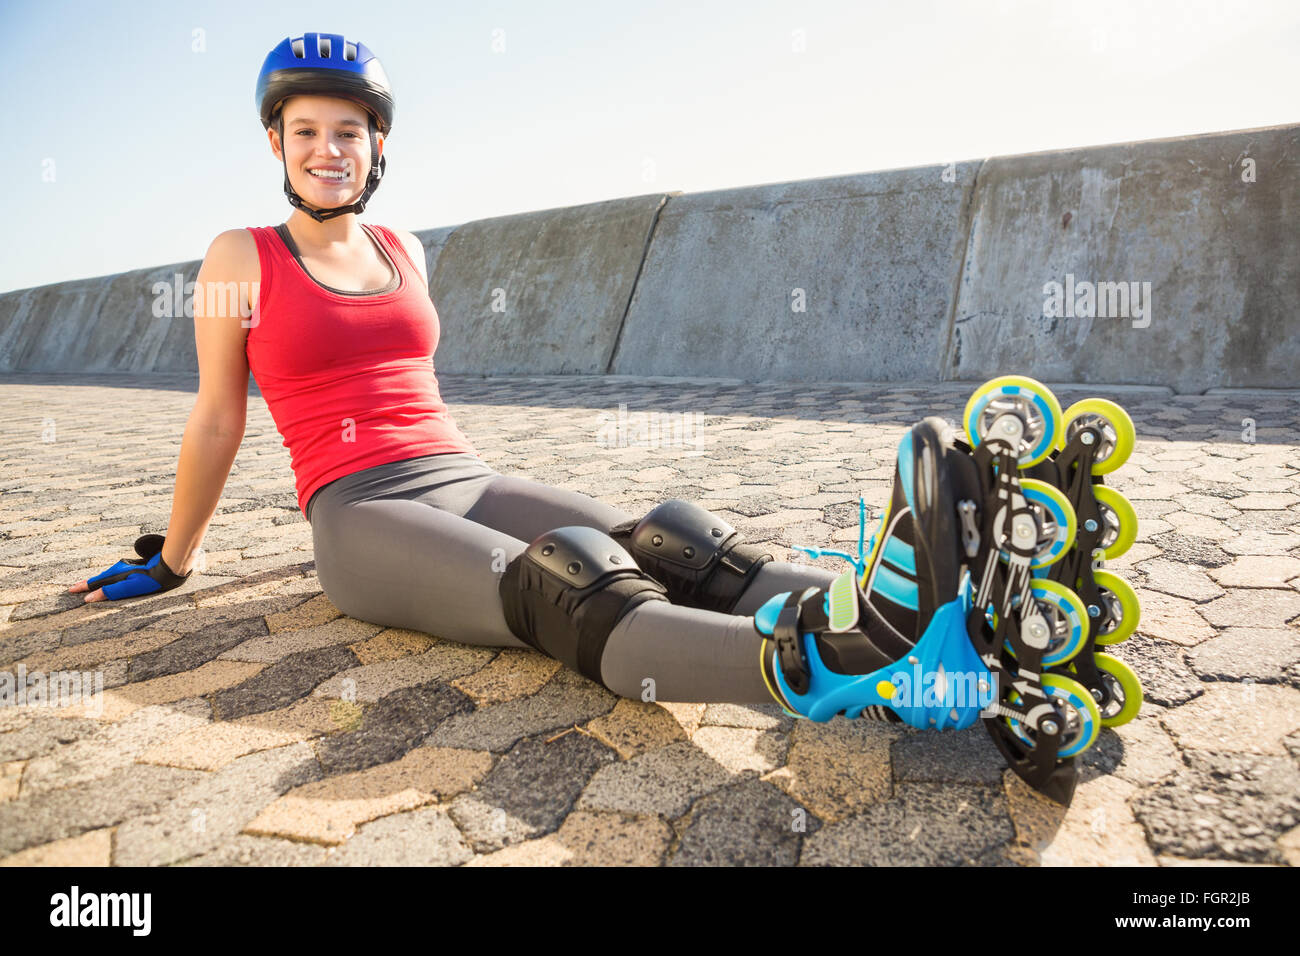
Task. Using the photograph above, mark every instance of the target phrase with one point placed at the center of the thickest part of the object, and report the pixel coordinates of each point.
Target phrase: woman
(411, 528)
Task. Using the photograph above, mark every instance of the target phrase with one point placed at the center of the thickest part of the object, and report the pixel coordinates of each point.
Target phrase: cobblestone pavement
(245, 721)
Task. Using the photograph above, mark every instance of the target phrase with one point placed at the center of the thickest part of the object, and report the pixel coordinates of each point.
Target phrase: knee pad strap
(697, 555)
(566, 592)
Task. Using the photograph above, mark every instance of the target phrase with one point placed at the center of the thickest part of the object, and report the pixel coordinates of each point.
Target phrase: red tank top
(349, 379)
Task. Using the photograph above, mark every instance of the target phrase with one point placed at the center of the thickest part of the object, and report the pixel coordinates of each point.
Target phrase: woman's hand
(134, 577)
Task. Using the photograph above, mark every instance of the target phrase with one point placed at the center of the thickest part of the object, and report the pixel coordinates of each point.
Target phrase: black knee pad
(566, 592)
(697, 555)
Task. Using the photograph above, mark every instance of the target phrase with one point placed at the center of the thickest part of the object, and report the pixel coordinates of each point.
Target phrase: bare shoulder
(234, 253)
(232, 258)
(414, 248)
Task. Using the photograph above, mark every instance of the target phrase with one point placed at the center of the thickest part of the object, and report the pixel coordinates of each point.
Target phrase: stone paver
(530, 790)
(268, 648)
(329, 811)
(94, 848)
(390, 727)
(838, 767)
(202, 817)
(246, 721)
(1248, 653)
(1246, 717)
(1142, 751)
(1253, 608)
(1097, 829)
(589, 839)
(750, 824)
(425, 837)
(741, 749)
(128, 792)
(568, 698)
(923, 825)
(392, 644)
(1171, 618)
(664, 781)
(966, 756)
(114, 746)
(513, 673)
(634, 727)
(42, 732)
(370, 682)
(1179, 580)
(120, 703)
(260, 851)
(212, 746)
(268, 687)
(1223, 806)
(1258, 572)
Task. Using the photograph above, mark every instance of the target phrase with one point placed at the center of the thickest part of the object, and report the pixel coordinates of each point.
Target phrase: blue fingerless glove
(134, 577)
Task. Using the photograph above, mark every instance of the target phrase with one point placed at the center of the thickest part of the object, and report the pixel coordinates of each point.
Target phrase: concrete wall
(925, 274)
(1221, 254)
(844, 278)
(541, 293)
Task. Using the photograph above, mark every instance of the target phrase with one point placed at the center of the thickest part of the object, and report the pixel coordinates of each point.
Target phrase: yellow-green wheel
(1119, 521)
(1117, 432)
(1121, 612)
(1030, 401)
(1124, 687)
(1082, 719)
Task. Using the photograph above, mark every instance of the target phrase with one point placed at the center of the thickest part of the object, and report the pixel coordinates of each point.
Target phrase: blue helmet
(325, 64)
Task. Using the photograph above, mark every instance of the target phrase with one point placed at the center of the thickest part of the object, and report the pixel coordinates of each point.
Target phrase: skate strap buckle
(786, 633)
(970, 535)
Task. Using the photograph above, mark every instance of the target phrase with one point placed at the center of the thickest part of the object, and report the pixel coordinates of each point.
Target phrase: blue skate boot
(944, 623)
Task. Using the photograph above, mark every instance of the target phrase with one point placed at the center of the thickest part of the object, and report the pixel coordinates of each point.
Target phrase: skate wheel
(1057, 525)
(1122, 611)
(1117, 432)
(1119, 521)
(1066, 617)
(1082, 719)
(1124, 688)
(1030, 401)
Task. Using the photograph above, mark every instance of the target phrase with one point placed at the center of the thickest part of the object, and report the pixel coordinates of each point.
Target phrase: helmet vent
(298, 50)
(349, 51)
(323, 47)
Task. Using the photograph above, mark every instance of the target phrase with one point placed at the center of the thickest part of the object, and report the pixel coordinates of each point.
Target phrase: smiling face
(326, 148)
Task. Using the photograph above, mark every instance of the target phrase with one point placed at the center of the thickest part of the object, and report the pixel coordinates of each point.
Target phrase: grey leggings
(420, 544)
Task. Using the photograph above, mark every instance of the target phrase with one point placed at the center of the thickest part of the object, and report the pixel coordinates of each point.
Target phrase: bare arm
(215, 428)
(201, 473)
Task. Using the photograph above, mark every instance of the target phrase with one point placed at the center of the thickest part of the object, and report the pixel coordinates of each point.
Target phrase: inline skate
(954, 615)
(1097, 437)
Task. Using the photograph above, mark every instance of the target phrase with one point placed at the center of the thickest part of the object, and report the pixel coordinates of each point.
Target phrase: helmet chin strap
(372, 181)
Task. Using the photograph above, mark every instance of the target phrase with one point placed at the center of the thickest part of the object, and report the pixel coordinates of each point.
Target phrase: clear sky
(134, 138)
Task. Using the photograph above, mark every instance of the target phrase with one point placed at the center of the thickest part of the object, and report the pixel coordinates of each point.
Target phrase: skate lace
(859, 562)
(871, 622)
